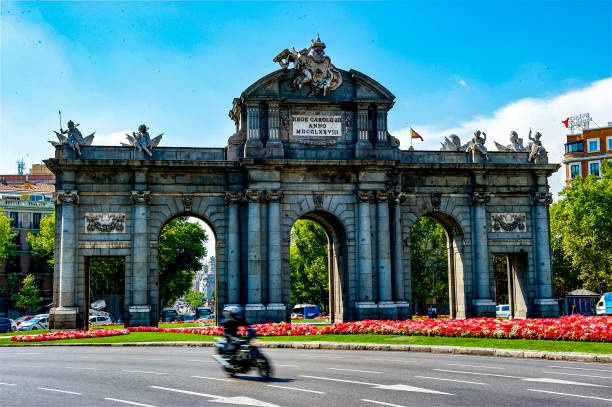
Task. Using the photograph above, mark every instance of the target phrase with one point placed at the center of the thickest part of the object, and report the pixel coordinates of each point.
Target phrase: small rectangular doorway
(105, 289)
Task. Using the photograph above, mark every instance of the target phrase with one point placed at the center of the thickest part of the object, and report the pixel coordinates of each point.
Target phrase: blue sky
(176, 66)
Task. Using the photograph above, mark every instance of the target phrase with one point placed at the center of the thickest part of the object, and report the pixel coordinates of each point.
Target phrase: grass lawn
(524, 344)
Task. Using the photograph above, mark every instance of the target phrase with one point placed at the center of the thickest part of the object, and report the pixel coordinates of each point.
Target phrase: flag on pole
(414, 134)
(565, 122)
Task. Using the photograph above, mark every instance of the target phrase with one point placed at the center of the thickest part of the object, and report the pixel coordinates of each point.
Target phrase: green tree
(181, 248)
(194, 298)
(106, 276)
(7, 238)
(308, 264)
(582, 221)
(28, 297)
(42, 245)
(428, 259)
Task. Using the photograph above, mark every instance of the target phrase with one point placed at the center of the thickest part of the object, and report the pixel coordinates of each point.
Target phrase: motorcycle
(246, 357)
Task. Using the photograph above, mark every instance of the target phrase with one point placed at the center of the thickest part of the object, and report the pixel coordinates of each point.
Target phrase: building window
(36, 220)
(609, 142)
(14, 219)
(575, 147)
(594, 168)
(575, 170)
(593, 145)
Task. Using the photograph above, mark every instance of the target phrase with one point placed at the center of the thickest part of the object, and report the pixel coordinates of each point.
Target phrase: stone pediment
(355, 86)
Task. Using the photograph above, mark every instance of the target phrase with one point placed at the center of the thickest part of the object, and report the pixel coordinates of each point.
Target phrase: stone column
(254, 276)
(483, 303)
(253, 146)
(381, 126)
(276, 309)
(366, 307)
(233, 200)
(386, 306)
(403, 307)
(139, 309)
(546, 305)
(363, 145)
(274, 146)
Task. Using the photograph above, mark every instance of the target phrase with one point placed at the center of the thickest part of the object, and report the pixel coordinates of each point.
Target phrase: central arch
(337, 263)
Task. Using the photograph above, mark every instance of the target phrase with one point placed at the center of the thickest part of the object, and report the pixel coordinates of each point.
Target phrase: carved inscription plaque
(508, 222)
(104, 222)
(317, 125)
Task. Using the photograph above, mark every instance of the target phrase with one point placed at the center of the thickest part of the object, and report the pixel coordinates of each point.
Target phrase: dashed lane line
(580, 368)
(295, 388)
(143, 371)
(578, 374)
(81, 368)
(480, 366)
(212, 378)
(276, 365)
(133, 403)
(479, 373)
(399, 387)
(526, 379)
(201, 361)
(354, 370)
(449, 380)
(381, 403)
(571, 395)
(60, 391)
(7, 384)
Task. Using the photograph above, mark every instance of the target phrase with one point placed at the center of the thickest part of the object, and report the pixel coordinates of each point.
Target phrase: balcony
(26, 204)
(575, 147)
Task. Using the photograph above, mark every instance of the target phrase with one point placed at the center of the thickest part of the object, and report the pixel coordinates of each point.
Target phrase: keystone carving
(66, 197)
(508, 222)
(105, 222)
(542, 198)
(187, 202)
(141, 197)
(436, 200)
(318, 201)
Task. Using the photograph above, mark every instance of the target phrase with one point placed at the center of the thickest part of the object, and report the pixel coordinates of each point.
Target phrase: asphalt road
(177, 376)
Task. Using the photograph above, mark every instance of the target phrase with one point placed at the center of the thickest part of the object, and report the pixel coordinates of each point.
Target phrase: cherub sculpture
(74, 137)
(142, 141)
(477, 142)
(536, 151)
(516, 144)
(453, 143)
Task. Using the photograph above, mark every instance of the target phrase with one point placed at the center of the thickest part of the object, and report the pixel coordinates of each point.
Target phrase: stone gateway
(311, 142)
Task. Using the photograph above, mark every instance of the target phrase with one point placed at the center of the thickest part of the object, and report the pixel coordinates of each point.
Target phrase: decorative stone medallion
(509, 222)
(98, 222)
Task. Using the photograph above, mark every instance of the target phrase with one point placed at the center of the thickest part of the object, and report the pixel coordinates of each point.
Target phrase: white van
(604, 305)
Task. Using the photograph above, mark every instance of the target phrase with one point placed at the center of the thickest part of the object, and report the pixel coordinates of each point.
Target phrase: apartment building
(585, 152)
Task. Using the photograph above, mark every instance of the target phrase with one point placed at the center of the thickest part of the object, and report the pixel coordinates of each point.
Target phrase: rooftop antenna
(20, 166)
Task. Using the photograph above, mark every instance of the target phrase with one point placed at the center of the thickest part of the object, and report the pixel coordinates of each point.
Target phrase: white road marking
(392, 360)
(580, 368)
(450, 380)
(572, 395)
(201, 360)
(143, 371)
(381, 402)
(247, 401)
(275, 365)
(295, 388)
(401, 387)
(353, 370)
(7, 384)
(583, 375)
(557, 381)
(128, 402)
(60, 391)
(147, 359)
(81, 368)
(211, 378)
(479, 373)
(28, 353)
(480, 366)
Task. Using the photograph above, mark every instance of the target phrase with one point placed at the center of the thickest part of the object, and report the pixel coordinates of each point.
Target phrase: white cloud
(112, 139)
(543, 115)
(462, 82)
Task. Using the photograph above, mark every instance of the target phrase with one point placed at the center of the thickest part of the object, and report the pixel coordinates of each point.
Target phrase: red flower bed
(200, 330)
(55, 336)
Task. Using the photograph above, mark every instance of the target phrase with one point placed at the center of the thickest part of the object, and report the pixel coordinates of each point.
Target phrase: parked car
(169, 314)
(502, 311)
(100, 320)
(203, 312)
(22, 319)
(6, 325)
(604, 305)
(36, 322)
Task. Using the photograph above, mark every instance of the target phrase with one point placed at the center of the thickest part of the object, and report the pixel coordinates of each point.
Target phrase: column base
(276, 312)
(275, 149)
(65, 319)
(363, 149)
(255, 313)
(387, 310)
(366, 310)
(546, 307)
(139, 315)
(403, 310)
(254, 149)
(484, 307)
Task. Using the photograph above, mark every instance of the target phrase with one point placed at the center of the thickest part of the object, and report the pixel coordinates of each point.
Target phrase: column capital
(365, 196)
(141, 197)
(66, 197)
(254, 195)
(542, 198)
(398, 197)
(480, 196)
(234, 197)
(274, 196)
(383, 196)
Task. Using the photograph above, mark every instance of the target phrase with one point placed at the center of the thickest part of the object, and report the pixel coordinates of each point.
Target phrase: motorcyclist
(232, 320)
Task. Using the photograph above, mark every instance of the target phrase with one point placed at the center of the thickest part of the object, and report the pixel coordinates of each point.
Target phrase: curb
(457, 350)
